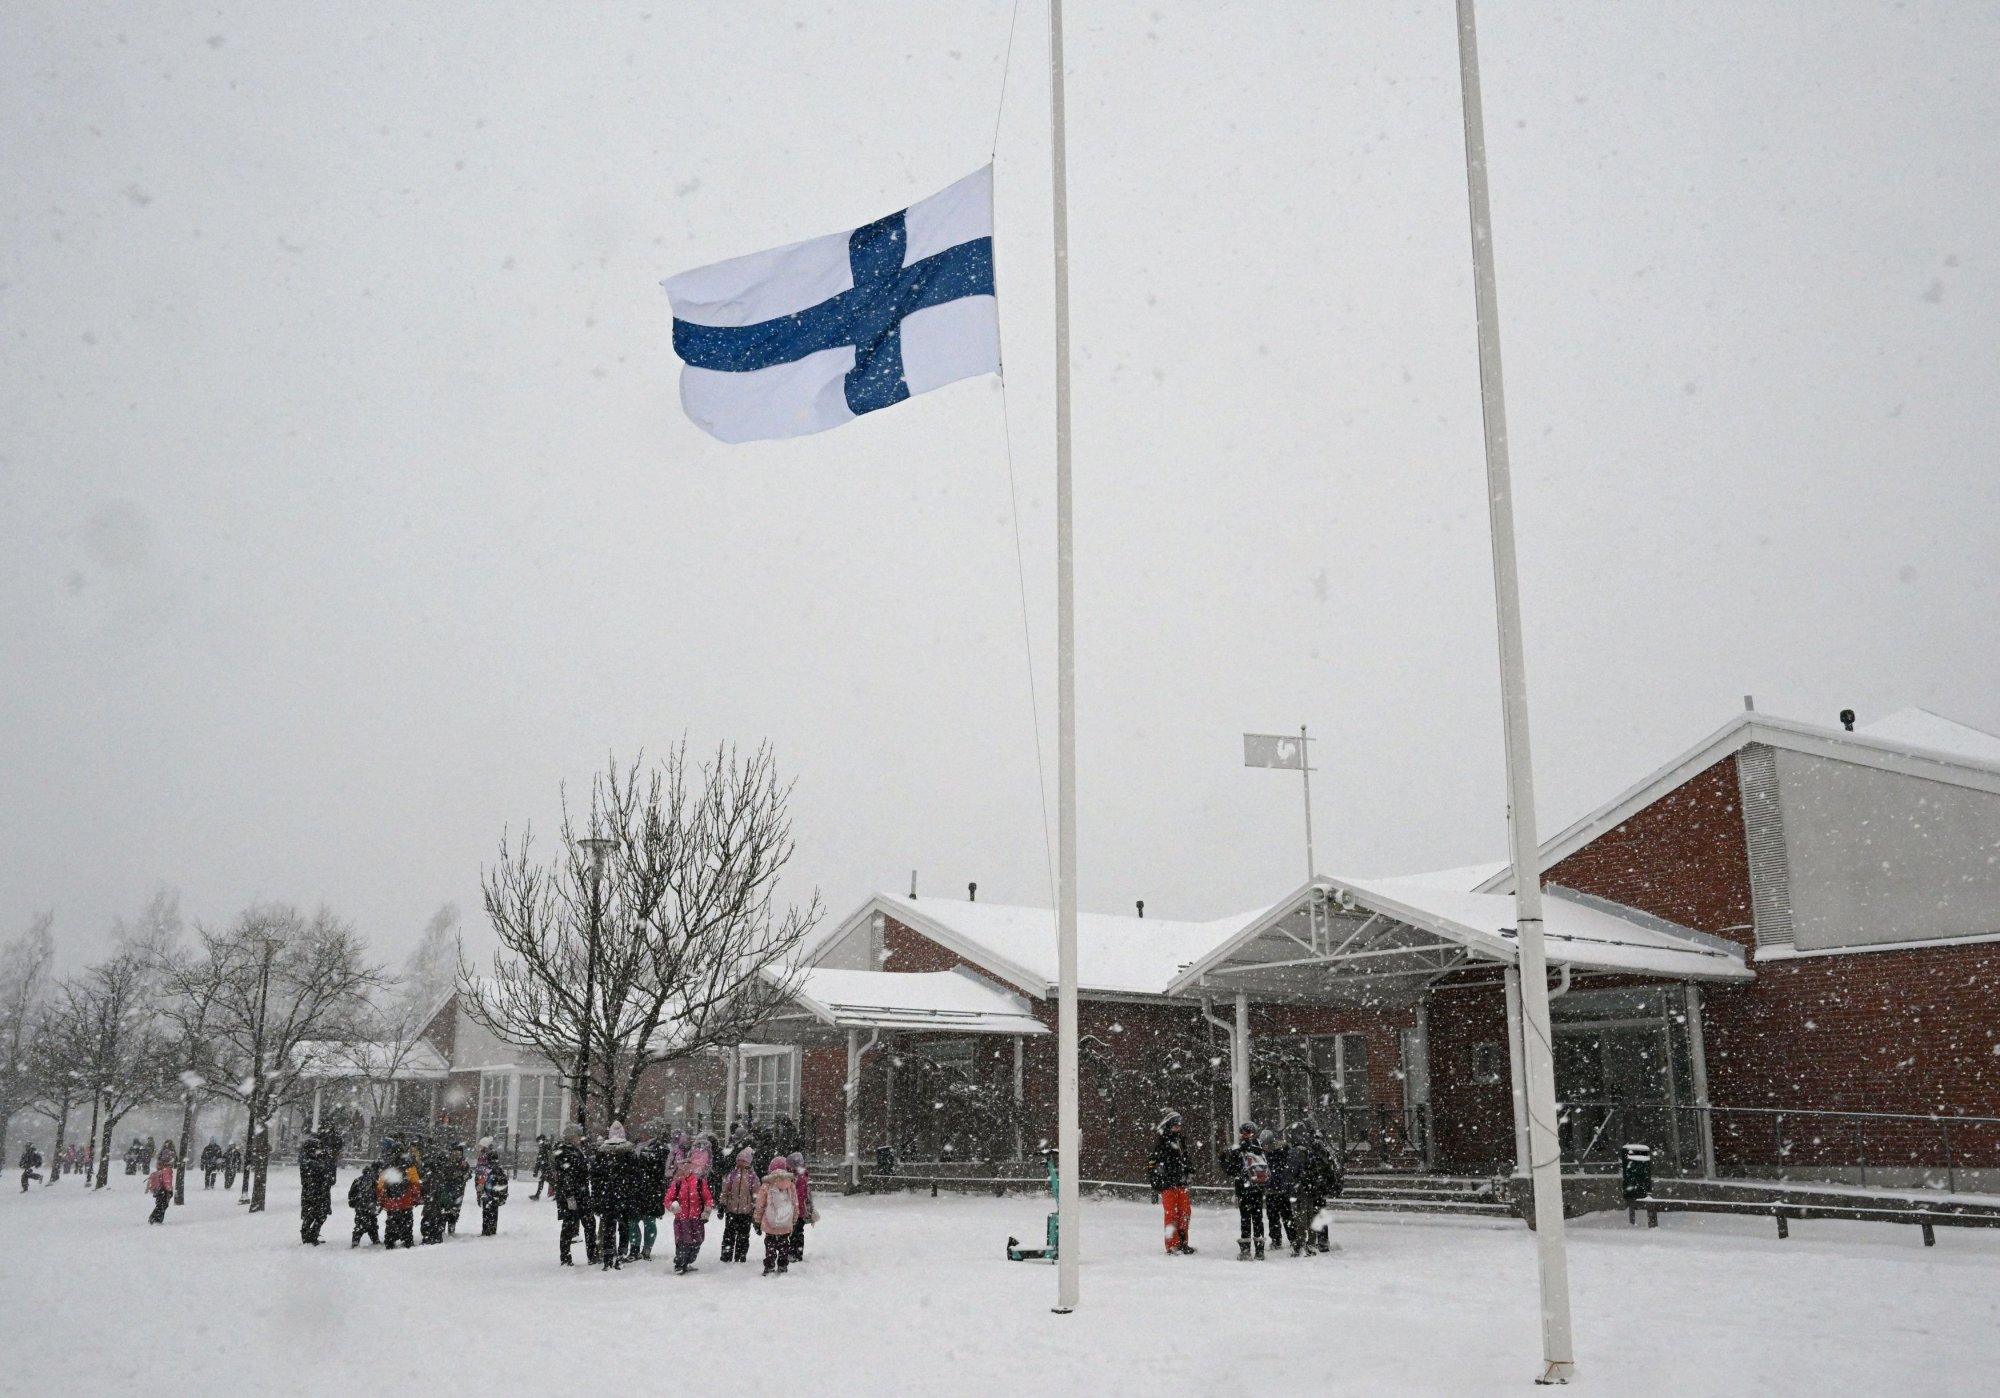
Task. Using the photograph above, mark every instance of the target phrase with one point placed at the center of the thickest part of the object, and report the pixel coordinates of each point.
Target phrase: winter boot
(1243, 1251)
(1260, 1249)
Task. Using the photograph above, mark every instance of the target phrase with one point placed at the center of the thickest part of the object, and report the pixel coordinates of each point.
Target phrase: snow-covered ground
(910, 1295)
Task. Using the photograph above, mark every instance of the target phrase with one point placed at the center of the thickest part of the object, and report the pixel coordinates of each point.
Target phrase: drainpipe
(855, 1051)
(1514, 1069)
(1239, 1058)
(1698, 1055)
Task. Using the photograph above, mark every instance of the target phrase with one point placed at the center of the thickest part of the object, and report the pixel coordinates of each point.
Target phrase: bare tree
(190, 985)
(289, 984)
(24, 976)
(390, 1029)
(661, 943)
(125, 1057)
(57, 1068)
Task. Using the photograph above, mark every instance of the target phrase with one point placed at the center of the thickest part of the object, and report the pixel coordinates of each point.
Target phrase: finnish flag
(806, 337)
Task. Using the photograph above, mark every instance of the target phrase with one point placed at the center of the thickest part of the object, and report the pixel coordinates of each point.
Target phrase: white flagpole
(1067, 1191)
(1558, 1357)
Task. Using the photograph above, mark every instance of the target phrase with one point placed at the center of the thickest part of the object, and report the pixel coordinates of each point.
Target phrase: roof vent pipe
(972, 893)
(1749, 703)
(1847, 719)
(1142, 907)
(913, 883)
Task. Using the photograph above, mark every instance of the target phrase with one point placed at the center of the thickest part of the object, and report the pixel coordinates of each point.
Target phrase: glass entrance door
(1622, 1070)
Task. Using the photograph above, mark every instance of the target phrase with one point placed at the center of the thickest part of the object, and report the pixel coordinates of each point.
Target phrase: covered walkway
(827, 1003)
(1389, 944)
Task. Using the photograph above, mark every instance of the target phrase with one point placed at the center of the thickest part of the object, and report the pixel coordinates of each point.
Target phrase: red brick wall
(1117, 1129)
(1475, 1121)
(1889, 1031)
(906, 949)
(1682, 858)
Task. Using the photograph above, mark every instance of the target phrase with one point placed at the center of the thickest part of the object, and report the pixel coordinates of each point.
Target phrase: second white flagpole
(1067, 1131)
(1544, 1151)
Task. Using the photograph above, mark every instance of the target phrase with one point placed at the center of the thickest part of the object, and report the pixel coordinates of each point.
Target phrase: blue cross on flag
(806, 337)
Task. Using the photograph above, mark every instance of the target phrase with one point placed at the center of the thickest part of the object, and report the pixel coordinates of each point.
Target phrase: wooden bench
(1927, 1217)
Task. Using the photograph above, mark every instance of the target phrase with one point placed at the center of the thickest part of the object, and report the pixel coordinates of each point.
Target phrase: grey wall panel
(1877, 857)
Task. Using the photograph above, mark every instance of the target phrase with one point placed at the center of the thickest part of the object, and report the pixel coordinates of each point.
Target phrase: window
(493, 1105)
(770, 1085)
(1486, 1063)
(541, 1112)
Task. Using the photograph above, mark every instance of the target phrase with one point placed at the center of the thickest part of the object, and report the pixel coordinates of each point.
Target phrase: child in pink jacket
(689, 1200)
(777, 1214)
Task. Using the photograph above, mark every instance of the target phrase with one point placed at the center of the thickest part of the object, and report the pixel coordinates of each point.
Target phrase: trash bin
(885, 1161)
(1636, 1173)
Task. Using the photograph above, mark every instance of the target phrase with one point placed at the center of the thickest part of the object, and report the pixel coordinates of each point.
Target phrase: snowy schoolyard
(911, 1295)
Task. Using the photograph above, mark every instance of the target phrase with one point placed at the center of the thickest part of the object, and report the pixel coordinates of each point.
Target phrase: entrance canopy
(1380, 942)
(938, 1002)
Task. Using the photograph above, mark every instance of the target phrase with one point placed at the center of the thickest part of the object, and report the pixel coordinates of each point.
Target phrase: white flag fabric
(806, 337)
(1273, 750)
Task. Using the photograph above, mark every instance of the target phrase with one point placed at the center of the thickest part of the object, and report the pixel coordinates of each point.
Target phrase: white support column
(1698, 1056)
(1515, 1072)
(1239, 1065)
(731, 1082)
(316, 1091)
(852, 1167)
(1019, 1097)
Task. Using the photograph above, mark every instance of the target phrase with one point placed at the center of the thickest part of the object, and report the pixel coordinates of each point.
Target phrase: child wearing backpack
(160, 1184)
(1250, 1169)
(777, 1213)
(689, 1201)
(739, 1201)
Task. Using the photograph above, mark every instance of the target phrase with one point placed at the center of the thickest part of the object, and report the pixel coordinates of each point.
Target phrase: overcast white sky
(346, 508)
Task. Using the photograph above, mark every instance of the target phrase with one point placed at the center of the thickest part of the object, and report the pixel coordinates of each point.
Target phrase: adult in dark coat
(445, 1174)
(232, 1164)
(569, 1184)
(211, 1163)
(544, 1151)
(614, 1193)
(316, 1178)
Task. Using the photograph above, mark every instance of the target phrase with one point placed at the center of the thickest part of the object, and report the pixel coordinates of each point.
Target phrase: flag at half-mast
(806, 337)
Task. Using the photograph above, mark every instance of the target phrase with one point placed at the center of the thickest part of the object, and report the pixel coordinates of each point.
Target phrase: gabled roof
(1913, 742)
(1116, 954)
(956, 1001)
(1422, 926)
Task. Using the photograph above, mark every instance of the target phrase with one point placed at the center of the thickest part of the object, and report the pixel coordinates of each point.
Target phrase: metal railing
(1931, 1145)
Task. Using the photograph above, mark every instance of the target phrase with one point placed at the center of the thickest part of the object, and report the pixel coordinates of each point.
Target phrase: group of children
(1281, 1182)
(615, 1191)
(413, 1190)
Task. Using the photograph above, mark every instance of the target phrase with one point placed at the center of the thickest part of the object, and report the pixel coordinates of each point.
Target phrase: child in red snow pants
(1179, 1212)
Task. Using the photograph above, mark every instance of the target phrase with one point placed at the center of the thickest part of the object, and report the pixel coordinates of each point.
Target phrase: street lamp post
(599, 846)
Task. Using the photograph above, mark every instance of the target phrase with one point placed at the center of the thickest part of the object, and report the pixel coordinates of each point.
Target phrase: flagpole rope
(1006, 67)
(1027, 633)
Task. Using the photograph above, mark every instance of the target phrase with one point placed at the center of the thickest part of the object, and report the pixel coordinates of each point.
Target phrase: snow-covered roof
(1920, 728)
(416, 1060)
(1914, 742)
(1115, 954)
(954, 1000)
(1378, 940)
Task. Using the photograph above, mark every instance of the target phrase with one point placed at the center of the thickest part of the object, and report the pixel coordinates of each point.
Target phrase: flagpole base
(1559, 1371)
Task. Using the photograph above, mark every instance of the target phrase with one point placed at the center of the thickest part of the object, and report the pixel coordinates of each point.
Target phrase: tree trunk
(55, 1156)
(104, 1148)
(97, 1165)
(181, 1163)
